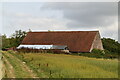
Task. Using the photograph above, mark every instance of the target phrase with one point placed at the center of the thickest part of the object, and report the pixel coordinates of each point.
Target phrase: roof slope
(77, 41)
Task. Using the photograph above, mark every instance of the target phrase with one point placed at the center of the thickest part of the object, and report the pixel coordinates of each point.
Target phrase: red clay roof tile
(77, 41)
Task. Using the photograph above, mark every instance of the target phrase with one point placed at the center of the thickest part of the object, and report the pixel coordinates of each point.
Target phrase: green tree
(5, 42)
(111, 45)
(17, 38)
(14, 41)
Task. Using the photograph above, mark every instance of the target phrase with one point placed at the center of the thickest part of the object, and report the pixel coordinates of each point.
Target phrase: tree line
(14, 40)
(109, 45)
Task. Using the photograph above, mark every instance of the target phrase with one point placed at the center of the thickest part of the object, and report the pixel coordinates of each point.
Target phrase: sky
(60, 16)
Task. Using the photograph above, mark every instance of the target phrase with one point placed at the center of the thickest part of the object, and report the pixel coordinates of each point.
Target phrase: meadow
(47, 65)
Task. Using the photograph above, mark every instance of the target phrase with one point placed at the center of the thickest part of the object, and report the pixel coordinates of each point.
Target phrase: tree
(111, 45)
(5, 42)
(17, 37)
(14, 41)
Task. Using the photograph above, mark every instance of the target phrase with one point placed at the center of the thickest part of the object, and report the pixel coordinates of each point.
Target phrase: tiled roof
(77, 41)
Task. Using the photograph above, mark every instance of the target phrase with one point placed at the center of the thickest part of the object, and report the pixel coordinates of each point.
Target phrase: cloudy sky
(61, 16)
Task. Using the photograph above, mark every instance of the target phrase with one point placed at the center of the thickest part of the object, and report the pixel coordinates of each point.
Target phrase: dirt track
(24, 66)
(1, 67)
(11, 71)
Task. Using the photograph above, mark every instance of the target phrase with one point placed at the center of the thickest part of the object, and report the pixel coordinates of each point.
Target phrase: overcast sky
(73, 16)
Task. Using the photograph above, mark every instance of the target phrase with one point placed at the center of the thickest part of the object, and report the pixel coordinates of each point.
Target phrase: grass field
(46, 65)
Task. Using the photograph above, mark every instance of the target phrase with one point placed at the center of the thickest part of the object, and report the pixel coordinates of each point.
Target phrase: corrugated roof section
(77, 41)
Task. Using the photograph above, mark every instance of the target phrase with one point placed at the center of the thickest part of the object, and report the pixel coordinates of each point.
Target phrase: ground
(1, 66)
(46, 65)
(15, 68)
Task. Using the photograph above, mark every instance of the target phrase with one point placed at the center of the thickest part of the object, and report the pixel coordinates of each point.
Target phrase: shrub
(0, 51)
(98, 51)
(11, 51)
(107, 52)
(94, 55)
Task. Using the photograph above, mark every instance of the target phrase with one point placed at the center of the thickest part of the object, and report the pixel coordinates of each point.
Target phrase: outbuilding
(74, 41)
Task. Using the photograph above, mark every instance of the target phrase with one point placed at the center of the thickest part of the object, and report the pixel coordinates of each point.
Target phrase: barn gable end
(97, 43)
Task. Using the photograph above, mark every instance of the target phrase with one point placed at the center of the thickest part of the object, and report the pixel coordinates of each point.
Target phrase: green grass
(6, 67)
(69, 66)
(19, 72)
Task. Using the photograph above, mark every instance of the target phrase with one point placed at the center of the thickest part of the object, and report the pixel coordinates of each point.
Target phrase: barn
(74, 41)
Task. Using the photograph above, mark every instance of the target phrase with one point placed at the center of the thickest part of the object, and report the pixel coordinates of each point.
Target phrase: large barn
(74, 41)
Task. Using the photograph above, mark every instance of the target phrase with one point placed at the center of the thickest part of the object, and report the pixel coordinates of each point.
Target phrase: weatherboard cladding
(77, 41)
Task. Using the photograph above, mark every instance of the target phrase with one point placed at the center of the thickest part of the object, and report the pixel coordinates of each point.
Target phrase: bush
(11, 51)
(107, 52)
(31, 50)
(0, 51)
(98, 51)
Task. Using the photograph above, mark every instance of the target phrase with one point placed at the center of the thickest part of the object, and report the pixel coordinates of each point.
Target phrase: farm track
(23, 66)
(9, 70)
(0, 70)
(1, 67)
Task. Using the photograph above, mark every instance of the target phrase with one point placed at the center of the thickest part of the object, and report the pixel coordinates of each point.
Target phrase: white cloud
(63, 16)
(26, 21)
(89, 16)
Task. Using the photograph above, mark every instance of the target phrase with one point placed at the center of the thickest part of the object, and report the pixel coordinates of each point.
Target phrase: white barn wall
(35, 46)
(59, 46)
(42, 46)
(97, 43)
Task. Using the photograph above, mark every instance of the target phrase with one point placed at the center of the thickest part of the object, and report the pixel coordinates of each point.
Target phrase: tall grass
(18, 70)
(69, 66)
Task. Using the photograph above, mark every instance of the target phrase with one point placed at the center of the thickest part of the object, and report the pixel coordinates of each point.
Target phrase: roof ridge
(61, 31)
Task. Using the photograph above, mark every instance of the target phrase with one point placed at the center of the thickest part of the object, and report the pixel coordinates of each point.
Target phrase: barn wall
(97, 43)
(59, 46)
(42, 46)
(35, 46)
